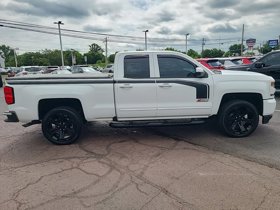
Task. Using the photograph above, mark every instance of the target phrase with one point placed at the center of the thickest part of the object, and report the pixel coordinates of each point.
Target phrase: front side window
(272, 59)
(136, 66)
(175, 67)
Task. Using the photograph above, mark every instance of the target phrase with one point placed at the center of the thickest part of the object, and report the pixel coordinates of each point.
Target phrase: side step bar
(155, 123)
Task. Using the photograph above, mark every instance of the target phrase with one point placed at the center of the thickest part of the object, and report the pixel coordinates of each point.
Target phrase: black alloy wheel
(238, 118)
(62, 125)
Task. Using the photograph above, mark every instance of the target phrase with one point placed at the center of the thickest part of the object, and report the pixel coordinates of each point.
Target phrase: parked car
(3, 71)
(108, 69)
(26, 70)
(49, 69)
(269, 65)
(12, 71)
(84, 69)
(61, 72)
(65, 68)
(211, 63)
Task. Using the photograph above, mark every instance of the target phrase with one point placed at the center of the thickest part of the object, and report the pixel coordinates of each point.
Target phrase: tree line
(53, 58)
(95, 55)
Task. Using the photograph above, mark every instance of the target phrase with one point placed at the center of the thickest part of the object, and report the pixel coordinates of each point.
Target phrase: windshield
(32, 69)
(214, 63)
(253, 59)
(237, 61)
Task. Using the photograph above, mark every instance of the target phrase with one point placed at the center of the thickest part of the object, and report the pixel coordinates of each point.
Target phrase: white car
(108, 69)
(27, 70)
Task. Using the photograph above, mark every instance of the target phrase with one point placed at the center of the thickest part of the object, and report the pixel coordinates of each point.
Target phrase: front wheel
(62, 125)
(238, 118)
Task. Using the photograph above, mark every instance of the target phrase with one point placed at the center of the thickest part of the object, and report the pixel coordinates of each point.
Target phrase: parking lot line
(277, 110)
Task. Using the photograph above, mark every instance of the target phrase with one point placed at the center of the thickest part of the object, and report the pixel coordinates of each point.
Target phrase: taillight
(9, 95)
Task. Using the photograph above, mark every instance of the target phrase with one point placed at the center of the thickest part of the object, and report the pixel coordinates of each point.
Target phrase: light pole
(61, 51)
(73, 57)
(187, 43)
(15, 54)
(146, 46)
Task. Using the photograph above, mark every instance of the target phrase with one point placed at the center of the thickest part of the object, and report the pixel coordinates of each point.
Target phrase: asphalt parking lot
(185, 167)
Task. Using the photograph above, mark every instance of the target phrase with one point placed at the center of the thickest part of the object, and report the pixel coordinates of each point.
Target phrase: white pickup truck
(149, 88)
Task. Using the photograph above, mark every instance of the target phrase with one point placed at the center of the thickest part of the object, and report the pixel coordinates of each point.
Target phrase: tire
(62, 125)
(238, 118)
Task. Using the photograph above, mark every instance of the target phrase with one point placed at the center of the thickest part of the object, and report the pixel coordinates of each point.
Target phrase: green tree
(212, 53)
(265, 49)
(192, 53)
(236, 49)
(172, 49)
(95, 48)
(7, 51)
(92, 58)
(111, 58)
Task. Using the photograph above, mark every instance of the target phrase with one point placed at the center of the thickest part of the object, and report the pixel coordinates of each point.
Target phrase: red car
(211, 63)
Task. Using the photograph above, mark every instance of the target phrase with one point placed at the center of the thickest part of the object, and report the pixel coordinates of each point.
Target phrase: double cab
(148, 88)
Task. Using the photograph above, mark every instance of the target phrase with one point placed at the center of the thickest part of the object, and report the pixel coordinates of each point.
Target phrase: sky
(219, 22)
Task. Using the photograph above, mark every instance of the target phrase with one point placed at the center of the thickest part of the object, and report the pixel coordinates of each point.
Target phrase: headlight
(272, 88)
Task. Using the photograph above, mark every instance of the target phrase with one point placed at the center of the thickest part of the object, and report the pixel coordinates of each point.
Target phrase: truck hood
(242, 67)
(244, 75)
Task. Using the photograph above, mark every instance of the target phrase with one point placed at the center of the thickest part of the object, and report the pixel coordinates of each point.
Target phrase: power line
(18, 23)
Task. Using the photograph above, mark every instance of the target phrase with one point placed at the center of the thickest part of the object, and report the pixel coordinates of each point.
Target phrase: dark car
(269, 65)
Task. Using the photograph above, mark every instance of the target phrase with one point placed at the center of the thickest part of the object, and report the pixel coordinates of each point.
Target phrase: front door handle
(126, 86)
(165, 85)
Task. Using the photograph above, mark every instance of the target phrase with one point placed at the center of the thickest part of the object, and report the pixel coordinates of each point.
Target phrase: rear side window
(175, 67)
(136, 66)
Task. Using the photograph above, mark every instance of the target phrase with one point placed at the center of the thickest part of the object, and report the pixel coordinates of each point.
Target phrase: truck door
(179, 92)
(135, 94)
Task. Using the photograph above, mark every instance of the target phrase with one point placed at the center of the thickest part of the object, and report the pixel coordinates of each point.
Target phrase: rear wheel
(238, 118)
(62, 125)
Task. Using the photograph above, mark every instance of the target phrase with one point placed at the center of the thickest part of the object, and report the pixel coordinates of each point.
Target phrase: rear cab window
(136, 66)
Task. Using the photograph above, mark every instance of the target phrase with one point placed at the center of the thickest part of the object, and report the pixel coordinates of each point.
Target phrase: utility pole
(106, 50)
(146, 45)
(187, 43)
(202, 46)
(61, 51)
(242, 38)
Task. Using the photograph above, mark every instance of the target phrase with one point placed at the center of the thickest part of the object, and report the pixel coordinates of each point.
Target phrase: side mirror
(259, 65)
(200, 73)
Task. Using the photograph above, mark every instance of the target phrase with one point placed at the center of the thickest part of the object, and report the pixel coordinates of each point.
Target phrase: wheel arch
(254, 98)
(45, 105)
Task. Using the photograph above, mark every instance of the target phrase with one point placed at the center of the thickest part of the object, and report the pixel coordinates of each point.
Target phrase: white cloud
(172, 19)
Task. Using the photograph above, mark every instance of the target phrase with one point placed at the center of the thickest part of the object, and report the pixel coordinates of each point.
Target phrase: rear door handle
(165, 85)
(126, 86)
